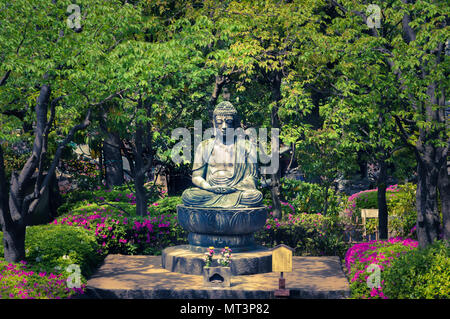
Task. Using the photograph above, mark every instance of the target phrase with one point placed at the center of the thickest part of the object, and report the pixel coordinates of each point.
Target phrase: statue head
(224, 116)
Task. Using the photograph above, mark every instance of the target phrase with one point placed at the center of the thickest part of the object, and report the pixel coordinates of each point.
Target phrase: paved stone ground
(142, 277)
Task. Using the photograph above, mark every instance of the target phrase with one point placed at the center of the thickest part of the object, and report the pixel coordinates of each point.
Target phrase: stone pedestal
(222, 227)
(219, 227)
(184, 259)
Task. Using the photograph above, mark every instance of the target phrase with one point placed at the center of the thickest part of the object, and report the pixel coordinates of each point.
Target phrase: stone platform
(184, 260)
(222, 227)
(142, 277)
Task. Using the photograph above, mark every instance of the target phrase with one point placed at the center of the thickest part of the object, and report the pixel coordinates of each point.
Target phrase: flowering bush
(366, 199)
(361, 256)
(308, 234)
(20, 281)
(49, 251)
(420, 273)
(118, 233)
(109, 228)
(151, 234)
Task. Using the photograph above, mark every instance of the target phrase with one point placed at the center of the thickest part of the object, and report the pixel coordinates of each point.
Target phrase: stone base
(222, 227)
(182, 259)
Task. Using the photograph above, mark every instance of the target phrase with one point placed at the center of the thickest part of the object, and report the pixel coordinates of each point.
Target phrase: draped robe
(244, 177)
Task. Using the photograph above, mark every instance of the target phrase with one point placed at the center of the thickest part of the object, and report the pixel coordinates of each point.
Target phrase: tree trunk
(141, 195)
(113, 160)
(19, 205)
(428, 220)
(13, 232)
(139, 175)
(444, 195)
(140, 167)
(325, 206)
(14, 242)
(431, 159)
(382, 204)
(275, 82)
(219, 82)
(112, 157)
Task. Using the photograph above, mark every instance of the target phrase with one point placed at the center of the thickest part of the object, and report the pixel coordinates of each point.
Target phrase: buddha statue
(225, 169)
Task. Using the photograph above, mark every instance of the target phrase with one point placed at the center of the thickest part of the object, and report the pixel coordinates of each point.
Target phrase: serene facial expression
(222, 122)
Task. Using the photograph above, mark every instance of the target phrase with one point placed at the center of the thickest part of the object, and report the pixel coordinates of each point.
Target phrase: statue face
(222, 123)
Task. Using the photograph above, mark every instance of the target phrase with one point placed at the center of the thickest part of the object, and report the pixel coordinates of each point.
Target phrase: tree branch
(85, 123)
(108, 98)
(405, 137)
(5, 78)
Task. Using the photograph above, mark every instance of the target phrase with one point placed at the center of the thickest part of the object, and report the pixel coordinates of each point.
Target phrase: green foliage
(15, 155)
(377, 254)
(308, 234)
(309, 197)
(52, 248)
(90, 200)
(324, 155)
(84, 174)
(368, 200)
(402, 207)
(59, 246)
(165, 206)
(420, 274)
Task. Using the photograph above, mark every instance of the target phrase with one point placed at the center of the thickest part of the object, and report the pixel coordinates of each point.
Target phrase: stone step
(142, 277)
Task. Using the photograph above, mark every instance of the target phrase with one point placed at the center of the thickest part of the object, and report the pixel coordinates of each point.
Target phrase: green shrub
(165, 206)
(367, 200)
(77, 200)
(402, 205)
(420, 274)
(54, 247)
(379, 253)
(59, 246)
(308, 234)
(309, 197)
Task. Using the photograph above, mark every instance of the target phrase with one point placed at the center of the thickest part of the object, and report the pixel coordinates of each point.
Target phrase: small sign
(282, 258)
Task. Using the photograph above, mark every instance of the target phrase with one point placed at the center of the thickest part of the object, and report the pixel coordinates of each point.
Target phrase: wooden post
(282, 262)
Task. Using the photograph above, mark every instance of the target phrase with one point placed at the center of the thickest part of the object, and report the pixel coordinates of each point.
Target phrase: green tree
(409, 45)
(43, 62)
(266, 39)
